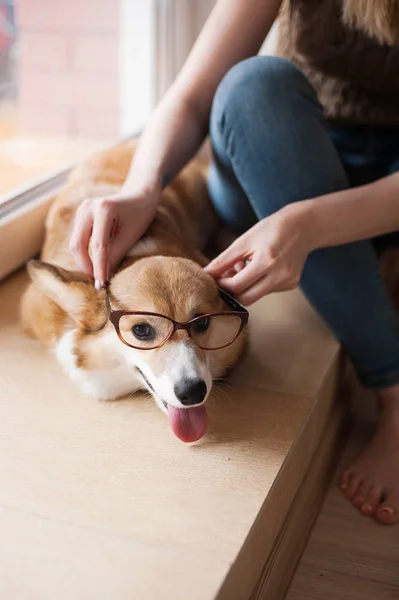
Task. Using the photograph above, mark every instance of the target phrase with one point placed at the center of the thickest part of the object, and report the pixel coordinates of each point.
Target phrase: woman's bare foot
(372, 481)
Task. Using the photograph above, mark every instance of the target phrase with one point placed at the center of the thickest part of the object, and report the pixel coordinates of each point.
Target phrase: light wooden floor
(348, 556)
(100, 501)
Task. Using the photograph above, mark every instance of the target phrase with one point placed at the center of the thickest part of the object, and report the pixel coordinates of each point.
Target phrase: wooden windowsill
(31, 172)
(25, 159)
(99, 500)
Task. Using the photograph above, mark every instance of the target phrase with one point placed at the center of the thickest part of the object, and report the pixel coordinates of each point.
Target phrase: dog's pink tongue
(188, 424)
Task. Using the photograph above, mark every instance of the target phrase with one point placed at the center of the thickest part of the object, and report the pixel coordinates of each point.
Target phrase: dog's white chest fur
(115, 381)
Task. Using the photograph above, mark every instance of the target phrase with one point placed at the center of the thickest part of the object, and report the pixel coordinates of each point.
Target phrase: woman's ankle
(388, 399)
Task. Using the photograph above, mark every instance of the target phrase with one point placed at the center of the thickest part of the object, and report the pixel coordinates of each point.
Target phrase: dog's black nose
(190, 391)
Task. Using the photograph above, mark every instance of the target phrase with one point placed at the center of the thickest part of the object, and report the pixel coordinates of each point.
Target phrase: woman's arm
(352, 215)
(233, 32)
(270, 256)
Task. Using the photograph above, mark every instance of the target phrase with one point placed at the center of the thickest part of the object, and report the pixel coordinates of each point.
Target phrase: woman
(308, 185)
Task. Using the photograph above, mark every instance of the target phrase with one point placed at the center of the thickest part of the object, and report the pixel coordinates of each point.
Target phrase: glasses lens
(215, 331)
(144, 331)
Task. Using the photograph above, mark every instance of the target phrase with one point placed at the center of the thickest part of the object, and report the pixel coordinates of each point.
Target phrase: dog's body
(162, 274)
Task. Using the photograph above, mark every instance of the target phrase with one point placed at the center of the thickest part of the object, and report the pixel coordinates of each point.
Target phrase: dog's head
(113, 353)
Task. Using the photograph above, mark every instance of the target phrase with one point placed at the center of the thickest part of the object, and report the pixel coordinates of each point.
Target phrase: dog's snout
(190, 391)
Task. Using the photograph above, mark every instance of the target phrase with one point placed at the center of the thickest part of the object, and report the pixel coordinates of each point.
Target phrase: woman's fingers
(109, 226)
(103, 226)
(234, 254)
(252, 283)
(268, 284)
(80, 239)
(240, 266)
(258, 290)
(236, 269)
(243, 279)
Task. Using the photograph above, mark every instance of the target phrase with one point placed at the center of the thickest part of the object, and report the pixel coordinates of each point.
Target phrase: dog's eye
(201, 325)
(143, 331)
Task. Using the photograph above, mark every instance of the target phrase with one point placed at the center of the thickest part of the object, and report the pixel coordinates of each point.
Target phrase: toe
(346, 475)
(388, 511)
(373, 498)
(362, 492)
(353, 486)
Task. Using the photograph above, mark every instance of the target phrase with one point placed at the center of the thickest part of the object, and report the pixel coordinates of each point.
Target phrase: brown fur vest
(352, 64)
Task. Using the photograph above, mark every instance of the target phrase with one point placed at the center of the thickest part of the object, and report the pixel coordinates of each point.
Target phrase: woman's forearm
(352, 215)
(171, 137)
(233, 32)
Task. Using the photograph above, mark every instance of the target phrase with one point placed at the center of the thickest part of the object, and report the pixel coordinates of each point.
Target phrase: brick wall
(68, 67)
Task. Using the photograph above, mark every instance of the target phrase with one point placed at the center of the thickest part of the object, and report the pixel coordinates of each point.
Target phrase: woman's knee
(261, 83)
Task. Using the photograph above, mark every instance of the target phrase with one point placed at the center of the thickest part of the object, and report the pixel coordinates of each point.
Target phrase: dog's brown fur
(164, 275)
(176, 228)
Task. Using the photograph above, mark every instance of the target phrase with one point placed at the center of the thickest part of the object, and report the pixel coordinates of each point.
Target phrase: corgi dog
(161, 324)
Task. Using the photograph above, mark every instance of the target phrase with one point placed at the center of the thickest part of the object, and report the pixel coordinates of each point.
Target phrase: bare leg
(371, 482)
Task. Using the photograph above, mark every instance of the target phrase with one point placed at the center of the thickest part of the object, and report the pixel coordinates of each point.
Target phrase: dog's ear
(74, 292)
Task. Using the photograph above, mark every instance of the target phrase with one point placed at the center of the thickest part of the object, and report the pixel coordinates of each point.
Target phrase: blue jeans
(272, 146)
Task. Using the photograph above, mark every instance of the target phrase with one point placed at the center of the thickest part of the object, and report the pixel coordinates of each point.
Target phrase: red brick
(45, 51)
(87, 16)
(61, 89)
(52, 121)
(95, 91)
(36, 14)
(97, 16)
(95, 53)
(43, 90)
(96, 124)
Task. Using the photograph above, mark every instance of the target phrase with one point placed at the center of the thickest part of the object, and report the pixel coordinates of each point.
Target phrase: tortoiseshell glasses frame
(236, 310)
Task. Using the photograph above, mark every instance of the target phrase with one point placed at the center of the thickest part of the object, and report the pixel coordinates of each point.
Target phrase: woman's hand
(112, 226)
(269, 257)
(174, 133)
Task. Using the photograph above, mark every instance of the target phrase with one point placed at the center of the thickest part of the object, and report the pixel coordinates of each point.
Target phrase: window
(76, 75)
(72, 74)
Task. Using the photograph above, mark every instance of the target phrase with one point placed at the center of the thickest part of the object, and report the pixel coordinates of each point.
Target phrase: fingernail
(98, 285)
